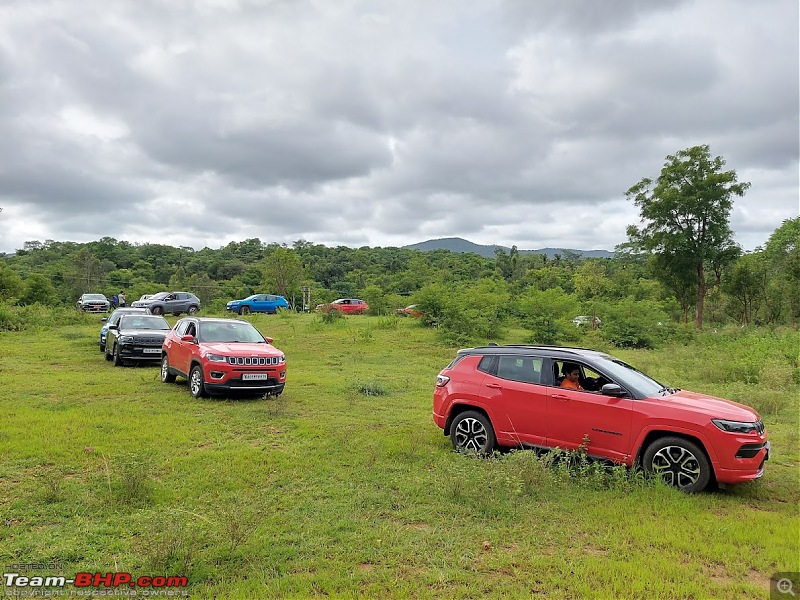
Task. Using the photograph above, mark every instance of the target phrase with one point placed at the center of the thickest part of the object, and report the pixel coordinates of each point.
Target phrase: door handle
(494, 386)
(561, 397)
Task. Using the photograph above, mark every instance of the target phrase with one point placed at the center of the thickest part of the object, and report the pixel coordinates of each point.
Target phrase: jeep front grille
(253, 360)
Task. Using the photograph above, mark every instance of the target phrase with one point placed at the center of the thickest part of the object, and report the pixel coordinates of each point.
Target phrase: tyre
(192, 310)
(244, 310)
(196, 383)
(472, 431)
(157, 310)
(681, 463)
(102, 347)
(107, 355)
(117, 358)
(166, 376)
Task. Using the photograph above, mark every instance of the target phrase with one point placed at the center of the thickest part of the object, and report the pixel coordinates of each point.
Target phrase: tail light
(442, 380)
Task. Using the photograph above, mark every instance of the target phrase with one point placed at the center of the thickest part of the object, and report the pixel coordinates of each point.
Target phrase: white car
(582, 320)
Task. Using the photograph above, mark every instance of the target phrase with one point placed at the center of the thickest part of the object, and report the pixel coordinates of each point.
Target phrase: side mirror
(269, 339)
(114, 326)
(104, 319)
(612, 389)
(187, 338)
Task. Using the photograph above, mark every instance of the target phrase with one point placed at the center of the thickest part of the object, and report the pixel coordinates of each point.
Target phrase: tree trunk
(701, 295)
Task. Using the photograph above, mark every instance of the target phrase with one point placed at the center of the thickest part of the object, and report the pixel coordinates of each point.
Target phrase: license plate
(152, 350)
(252, 376)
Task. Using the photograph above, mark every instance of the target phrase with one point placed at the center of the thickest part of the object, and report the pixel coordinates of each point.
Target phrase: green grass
(344, 486)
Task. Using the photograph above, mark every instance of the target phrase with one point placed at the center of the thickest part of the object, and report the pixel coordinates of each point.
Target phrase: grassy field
(344, 486)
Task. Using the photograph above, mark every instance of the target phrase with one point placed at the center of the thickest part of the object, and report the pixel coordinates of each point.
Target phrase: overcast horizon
(385, 124)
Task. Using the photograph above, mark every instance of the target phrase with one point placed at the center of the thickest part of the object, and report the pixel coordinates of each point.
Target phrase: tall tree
(685, 214)
(283, 271)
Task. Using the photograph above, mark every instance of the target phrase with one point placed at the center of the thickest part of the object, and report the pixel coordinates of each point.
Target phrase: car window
(525, 369)
(181, 327)
(457, 360)
(590, 379)
(488, 364)
(232, 332)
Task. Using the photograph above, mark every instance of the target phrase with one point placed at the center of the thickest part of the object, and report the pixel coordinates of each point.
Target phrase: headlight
(216, 358)
(125, 339)
(281, 359)
(735, 426)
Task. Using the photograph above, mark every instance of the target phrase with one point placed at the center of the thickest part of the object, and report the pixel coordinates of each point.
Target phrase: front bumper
(232, 386)
(96, 308)
(745, 469)
(140, 352)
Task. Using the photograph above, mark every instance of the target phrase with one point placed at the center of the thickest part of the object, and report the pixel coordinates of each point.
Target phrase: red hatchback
(348, 306)
(570, 398)
(220, 356)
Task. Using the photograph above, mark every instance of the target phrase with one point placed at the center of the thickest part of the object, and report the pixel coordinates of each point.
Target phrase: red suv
(221, 356)
(348, 306)
(570, 398)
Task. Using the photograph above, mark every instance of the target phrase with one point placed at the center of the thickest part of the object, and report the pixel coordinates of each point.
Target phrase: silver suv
(170, 302)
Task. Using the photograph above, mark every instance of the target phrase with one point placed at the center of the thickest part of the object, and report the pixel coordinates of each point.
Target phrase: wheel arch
(457, 409)
(657, 434)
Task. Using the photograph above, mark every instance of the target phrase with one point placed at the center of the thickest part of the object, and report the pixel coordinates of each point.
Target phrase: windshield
(94, 297)
(628, 376)
(134, 321)
(231, 332)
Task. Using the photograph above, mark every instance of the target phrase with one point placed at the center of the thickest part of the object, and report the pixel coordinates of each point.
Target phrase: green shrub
(10, 319)
(634, 324)
(331, 316)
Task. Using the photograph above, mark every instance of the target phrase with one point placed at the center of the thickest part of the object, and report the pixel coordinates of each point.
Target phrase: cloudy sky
(384, 122)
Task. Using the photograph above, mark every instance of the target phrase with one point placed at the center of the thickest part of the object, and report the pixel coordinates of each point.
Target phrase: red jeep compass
(220, 356)
(548, 397)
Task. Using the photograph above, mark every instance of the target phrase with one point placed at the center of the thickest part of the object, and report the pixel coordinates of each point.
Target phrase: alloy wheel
(677, 466)
(470, 434)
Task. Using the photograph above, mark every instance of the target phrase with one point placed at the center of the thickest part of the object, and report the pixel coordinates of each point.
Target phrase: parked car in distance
(513, 396)
(113, 320)
(409, 311)
(264, 303)
(136, 337)
(582, 320)
(170, 303)
(222, 356)
(93, 303)
(348, 306)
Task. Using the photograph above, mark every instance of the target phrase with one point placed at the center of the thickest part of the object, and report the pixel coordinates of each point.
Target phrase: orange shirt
(573, 385)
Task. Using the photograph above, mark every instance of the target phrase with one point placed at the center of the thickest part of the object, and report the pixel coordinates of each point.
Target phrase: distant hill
(462, 245)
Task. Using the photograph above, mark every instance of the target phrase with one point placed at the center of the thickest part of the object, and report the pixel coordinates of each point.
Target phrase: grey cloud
(581, 16)
(348, 124)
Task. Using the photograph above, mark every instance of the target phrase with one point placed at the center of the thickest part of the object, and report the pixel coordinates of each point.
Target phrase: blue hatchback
(113, 320)
(265, 303)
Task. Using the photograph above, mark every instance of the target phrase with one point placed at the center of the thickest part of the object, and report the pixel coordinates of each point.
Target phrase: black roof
(527, 350)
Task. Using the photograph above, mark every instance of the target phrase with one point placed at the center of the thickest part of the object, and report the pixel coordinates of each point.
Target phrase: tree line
(680, 265)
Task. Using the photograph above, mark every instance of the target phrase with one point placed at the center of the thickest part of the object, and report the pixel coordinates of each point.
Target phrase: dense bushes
(39, 316)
